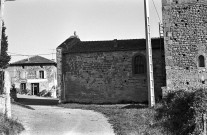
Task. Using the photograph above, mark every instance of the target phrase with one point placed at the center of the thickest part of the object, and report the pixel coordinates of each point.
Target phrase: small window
(23, 86)
(201, 61)
(139, 64)
(41, 73)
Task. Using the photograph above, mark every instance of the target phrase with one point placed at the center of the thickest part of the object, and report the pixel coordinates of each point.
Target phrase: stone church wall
(185, 39)
(106, 77)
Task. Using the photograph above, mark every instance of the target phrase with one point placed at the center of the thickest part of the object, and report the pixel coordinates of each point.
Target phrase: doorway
(35, 88)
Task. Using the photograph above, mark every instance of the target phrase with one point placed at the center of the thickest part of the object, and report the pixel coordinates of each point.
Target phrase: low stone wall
(5, 100)
(2, 103)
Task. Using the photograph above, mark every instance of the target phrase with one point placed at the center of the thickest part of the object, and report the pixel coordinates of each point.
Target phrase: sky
(37, 27)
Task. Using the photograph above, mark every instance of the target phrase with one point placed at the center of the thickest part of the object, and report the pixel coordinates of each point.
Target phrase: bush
(49, 94)
(45, 93)
(25, 91)
(42, 93)
(9, 126)
(181, 112)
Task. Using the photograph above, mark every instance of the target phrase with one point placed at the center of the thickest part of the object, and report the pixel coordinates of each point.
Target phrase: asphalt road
(41, 116)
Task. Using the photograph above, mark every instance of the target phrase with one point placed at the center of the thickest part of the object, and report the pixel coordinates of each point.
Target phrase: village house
(33, 75)
(111, 71)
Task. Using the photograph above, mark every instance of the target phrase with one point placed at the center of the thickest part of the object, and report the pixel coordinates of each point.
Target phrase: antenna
(53, 52)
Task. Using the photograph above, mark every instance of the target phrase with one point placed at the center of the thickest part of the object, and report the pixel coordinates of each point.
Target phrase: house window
(41, 73)
(201, 61)
(23, 86)
(139, 64)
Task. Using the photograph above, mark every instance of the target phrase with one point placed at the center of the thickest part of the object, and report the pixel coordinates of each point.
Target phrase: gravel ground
(41, 116)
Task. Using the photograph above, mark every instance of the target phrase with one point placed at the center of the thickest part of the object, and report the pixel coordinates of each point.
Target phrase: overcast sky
(38, 26)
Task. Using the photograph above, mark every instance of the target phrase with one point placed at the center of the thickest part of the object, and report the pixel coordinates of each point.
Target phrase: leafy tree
(4, 57)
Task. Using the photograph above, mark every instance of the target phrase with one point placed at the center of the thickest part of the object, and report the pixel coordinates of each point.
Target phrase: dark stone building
(108, 71)
(185, 39)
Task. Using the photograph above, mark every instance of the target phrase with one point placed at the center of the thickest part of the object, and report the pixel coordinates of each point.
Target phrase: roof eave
(32, 64)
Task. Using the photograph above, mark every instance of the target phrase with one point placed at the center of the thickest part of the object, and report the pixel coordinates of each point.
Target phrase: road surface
(40, 116)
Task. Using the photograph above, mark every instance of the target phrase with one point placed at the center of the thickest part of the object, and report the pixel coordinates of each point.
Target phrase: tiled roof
(74, 45)
(35, 60)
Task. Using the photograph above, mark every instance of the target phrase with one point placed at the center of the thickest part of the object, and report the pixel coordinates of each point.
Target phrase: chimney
(115, 43)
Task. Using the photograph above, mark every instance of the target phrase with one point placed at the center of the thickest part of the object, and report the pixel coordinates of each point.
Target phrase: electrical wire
(156, 10)
(16, 54)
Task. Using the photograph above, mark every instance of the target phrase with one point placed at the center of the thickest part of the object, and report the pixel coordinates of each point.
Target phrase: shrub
(42, 93)
(45, 93)
(25, 91)
(181, 111)
(49, 94)
(9, 126)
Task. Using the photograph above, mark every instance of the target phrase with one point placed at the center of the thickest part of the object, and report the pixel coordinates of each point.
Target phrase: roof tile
(34, 60)
(76, 46)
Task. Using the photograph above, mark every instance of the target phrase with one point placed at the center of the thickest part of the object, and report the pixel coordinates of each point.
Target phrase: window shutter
(26, 75)
(23, 75)
(45, 74)
(37, 74)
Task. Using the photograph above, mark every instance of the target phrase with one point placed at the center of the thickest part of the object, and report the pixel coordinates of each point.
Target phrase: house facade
(108, 71)
(33, 75)
(185, 39)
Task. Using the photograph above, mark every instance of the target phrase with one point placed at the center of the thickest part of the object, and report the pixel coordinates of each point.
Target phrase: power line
(156, 10)
(16, 54)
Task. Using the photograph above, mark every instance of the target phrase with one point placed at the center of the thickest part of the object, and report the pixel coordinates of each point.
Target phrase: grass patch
(10, 126)
(127, 119)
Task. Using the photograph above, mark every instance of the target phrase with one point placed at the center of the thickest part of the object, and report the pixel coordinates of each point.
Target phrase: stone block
(2, 104)
(110, 79)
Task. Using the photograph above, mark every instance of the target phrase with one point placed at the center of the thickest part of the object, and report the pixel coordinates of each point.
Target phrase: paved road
(40, 116)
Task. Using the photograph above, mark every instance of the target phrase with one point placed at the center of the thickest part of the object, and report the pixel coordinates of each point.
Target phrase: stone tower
(185, 38)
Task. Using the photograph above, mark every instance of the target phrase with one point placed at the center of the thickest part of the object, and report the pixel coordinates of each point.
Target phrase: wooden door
(35, 88)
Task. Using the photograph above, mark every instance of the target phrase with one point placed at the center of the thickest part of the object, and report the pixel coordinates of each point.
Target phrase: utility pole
(150, 79)
(161, 31)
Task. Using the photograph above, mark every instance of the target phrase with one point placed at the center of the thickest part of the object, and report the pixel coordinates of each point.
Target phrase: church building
(113, 71)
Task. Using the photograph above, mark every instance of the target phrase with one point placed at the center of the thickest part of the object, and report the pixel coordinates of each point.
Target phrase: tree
(4, 57)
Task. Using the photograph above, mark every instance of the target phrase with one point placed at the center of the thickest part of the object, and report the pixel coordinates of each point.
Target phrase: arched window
(201, 61)
(139, 64)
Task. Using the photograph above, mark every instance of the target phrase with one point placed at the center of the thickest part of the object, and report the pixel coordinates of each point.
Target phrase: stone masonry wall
(185, 38)
(106, 77)
(59, 74)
